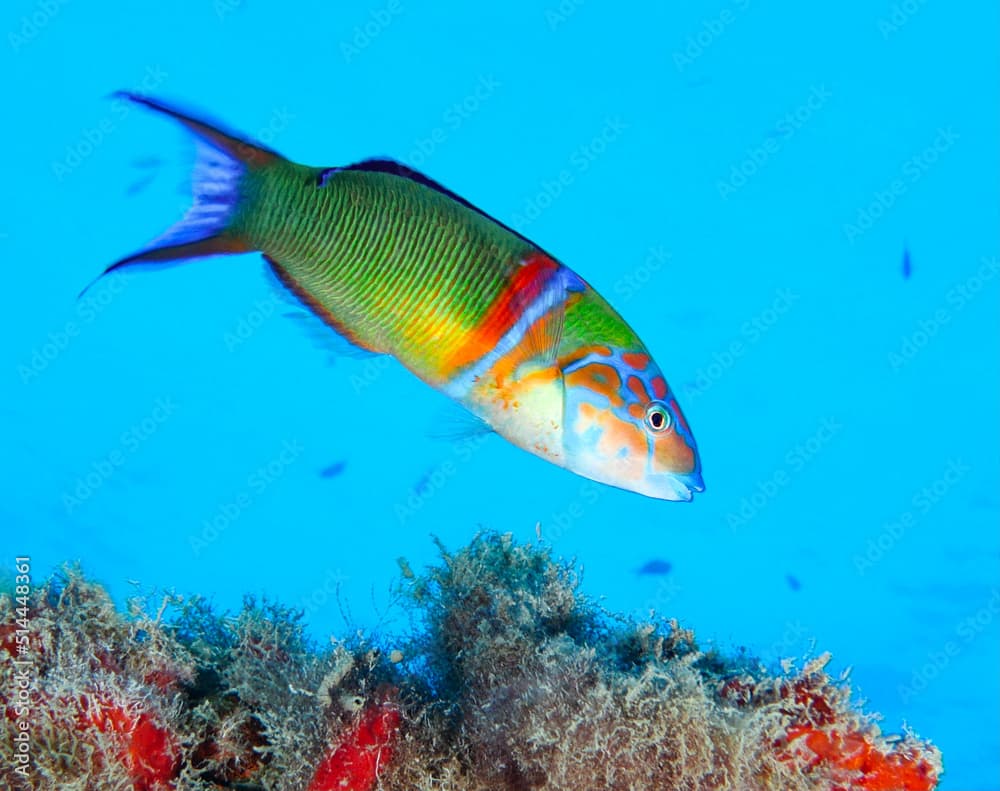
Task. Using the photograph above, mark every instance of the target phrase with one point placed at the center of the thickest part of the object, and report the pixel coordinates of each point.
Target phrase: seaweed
(509, 678)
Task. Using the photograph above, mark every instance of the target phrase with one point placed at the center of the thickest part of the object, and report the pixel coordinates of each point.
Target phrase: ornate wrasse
(397, 264)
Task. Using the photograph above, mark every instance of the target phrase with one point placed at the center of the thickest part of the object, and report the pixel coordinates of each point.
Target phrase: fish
(140, 184)
(333, 470)
(147, 162)
(423, 484)
(907, 266)
(654, 567)
(793, 582)
(397, 264)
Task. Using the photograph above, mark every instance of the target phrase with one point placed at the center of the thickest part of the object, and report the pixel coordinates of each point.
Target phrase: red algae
(362, 755)
(145, 748)
(851, 760)
(828, 739)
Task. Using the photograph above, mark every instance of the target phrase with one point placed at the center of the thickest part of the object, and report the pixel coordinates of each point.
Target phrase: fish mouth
(683, 486)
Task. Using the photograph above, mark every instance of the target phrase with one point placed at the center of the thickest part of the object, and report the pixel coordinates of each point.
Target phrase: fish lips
(683, 486)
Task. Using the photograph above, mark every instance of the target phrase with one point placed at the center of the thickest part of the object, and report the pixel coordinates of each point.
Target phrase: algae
(509, 678)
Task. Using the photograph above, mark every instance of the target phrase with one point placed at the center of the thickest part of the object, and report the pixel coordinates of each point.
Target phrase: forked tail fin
(223, 159)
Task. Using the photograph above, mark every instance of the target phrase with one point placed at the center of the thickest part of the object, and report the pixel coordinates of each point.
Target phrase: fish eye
(657, 417)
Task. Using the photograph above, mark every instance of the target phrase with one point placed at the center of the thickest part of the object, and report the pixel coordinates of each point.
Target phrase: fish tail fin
(223, 159)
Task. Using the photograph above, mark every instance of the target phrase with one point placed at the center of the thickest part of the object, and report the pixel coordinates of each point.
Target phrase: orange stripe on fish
(636, 386)
(616, 435)
(582, 353)
(598, 377)
(636, 360)
(526, 285)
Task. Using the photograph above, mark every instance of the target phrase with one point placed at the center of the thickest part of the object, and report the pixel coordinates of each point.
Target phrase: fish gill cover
(507, 678)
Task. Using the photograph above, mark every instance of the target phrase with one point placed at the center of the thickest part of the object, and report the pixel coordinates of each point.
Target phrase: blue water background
(742, 180)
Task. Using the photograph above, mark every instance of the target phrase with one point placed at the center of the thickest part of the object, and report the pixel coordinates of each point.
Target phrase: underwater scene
(558, 395)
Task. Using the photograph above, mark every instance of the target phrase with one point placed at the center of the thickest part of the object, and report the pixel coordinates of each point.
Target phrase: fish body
(399, 265)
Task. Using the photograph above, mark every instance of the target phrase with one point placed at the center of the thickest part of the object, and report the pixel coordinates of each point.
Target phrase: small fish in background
(423, 484)
(146, 163)
(333, 470)
(907, 266)
(985, 501)
(793, 582)
(139, 185)
(151, 166)
(654, 568)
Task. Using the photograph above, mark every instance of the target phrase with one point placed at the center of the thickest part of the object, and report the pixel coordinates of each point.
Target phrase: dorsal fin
(395, 168)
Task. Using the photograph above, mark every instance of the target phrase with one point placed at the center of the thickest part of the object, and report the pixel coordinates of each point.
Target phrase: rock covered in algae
(509, 679)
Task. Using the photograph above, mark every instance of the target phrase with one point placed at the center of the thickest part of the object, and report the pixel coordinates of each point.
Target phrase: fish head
(624, 427)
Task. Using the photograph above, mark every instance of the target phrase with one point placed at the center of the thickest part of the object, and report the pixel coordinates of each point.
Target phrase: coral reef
(509, 679)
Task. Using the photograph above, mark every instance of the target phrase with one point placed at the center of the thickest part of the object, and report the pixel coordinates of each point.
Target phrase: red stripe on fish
(526, 285)
(636, 360)
(675, 408)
